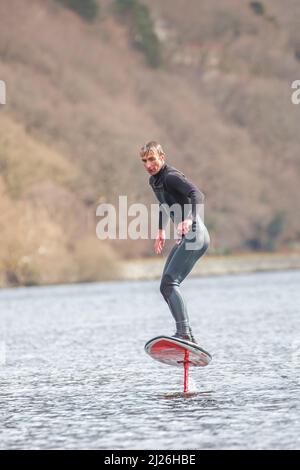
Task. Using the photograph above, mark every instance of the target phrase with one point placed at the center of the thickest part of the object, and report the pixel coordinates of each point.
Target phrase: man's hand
(183, 228)
(160, 241)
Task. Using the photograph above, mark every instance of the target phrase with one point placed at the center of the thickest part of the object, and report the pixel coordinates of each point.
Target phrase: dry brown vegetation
(81, 100)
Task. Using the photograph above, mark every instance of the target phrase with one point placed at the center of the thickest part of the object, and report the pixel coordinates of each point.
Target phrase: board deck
(173, 351)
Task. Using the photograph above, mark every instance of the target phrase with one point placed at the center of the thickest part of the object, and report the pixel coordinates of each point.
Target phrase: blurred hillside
(82, 98)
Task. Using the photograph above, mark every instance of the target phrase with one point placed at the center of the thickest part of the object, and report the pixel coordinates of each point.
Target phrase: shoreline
(212, 265)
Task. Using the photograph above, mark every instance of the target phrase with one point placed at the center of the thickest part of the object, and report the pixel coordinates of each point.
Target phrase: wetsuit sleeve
(181, 184)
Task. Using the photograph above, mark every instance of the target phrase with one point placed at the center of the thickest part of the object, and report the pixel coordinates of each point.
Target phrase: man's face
(153, 162)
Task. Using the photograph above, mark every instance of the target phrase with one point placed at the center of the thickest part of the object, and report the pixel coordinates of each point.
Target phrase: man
(171, 187)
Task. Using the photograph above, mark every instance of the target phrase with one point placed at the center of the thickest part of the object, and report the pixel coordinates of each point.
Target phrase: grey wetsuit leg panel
(169, 258)
(179, 264)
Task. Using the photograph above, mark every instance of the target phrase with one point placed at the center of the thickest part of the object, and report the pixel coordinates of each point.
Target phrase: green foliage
(267, 236)
(145, 37)
(258, 8)
(275, 229)
(87, 9)
(124, 6)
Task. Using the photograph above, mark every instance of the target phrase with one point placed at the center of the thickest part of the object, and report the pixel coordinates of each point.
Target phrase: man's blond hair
(152, 145)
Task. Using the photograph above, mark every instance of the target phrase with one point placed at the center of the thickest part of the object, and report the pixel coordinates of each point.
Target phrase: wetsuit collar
(157, 175)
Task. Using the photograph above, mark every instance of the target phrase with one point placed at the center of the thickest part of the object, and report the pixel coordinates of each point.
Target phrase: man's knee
(166, 286)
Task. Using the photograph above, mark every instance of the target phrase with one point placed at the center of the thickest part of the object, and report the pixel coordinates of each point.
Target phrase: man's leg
(179, 264)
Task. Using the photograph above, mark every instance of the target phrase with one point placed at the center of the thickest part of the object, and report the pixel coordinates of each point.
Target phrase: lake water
(74, 374)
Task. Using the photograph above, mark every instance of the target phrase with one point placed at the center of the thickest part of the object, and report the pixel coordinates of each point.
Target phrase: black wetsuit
(172, 187)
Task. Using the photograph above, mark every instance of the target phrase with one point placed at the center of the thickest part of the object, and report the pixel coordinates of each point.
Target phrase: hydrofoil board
(177, 352)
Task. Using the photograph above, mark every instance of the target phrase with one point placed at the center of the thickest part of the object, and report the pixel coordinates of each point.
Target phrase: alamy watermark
(2, 92)
(296, 94)
(138, 221)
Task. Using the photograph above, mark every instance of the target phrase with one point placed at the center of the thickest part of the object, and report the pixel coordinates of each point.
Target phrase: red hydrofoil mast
(178, 353)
